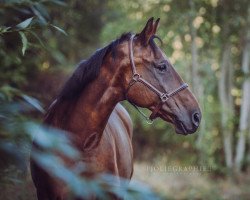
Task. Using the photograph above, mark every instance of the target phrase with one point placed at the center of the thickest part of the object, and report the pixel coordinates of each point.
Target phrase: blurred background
(207, 41)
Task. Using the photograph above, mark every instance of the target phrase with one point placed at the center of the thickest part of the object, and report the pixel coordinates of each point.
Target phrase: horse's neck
(94, 106)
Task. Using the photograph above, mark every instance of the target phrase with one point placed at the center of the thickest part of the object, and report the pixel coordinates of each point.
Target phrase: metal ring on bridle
(164, 97)
(136, 77)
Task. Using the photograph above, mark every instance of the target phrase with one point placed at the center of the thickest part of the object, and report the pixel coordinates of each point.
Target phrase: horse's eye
(162, 67)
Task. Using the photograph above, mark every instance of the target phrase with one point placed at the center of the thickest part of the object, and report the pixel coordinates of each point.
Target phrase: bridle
(136, 77)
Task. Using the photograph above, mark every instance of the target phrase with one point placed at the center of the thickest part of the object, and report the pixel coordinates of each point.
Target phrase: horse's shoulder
(120, 115)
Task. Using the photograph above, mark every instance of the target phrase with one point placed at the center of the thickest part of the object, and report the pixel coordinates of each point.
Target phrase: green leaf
(53, 139)
(8, 92)
(33, 102)
(25, 23)
(42, 10)
(24, 41)
(59, 2)
(41, 18)
(39, 40)
(4, 29)
(59, 29)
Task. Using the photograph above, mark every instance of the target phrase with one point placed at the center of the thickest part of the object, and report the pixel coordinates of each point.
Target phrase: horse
(132, 68)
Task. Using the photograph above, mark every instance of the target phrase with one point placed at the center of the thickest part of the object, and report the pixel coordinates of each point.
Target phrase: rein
(164, 96)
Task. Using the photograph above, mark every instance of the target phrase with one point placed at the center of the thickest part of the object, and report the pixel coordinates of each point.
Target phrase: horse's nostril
(196, 119)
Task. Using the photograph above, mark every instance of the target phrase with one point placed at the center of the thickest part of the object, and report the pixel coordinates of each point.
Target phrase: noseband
(164, 96)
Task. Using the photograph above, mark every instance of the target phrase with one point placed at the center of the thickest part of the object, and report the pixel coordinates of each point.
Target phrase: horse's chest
(113, 155)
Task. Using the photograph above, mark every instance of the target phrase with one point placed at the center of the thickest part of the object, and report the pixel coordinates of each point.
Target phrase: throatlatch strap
(155, 111)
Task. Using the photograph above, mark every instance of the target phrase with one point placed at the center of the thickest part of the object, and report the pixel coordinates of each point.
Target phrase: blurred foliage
(16, 133)
(33, 46)
(42, 40)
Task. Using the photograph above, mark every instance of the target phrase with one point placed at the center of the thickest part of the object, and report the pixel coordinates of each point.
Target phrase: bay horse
(131, 68)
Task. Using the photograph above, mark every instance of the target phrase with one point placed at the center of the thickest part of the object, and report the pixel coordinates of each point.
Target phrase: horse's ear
(147, 32)
(156, 24)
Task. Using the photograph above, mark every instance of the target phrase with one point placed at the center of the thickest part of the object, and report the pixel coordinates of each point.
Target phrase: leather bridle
(136, 77)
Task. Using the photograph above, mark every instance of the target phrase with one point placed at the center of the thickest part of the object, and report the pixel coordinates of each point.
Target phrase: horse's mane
(86, 72)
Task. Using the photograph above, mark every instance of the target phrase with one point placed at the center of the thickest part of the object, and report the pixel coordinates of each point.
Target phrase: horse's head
(153, 83)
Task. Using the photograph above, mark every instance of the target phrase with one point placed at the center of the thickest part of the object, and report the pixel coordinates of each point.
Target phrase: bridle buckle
(164, 97)
(136, 77)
